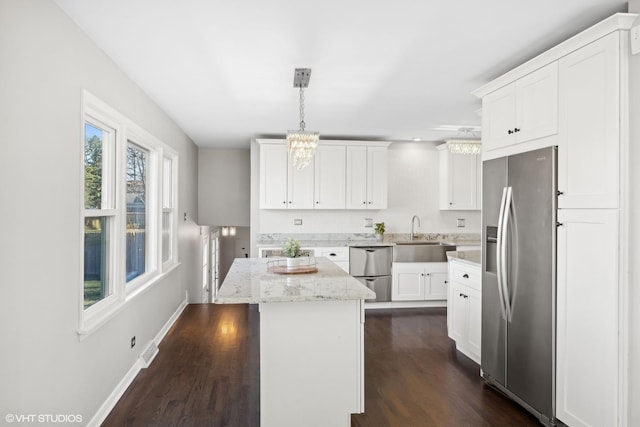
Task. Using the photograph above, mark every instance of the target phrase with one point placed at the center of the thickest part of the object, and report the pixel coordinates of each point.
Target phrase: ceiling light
(302, 143)
(464, 146)
(470, 145)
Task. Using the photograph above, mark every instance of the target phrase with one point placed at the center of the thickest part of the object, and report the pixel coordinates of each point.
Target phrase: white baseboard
(116, 394)
(404, 304)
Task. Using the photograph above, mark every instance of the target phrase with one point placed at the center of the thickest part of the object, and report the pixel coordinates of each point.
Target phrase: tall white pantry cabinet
(593, 110)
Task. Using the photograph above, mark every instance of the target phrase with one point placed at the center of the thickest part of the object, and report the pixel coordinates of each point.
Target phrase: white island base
(311, 363)
(311, 341)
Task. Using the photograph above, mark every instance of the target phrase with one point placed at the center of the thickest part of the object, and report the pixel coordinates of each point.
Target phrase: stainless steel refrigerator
(519, 278)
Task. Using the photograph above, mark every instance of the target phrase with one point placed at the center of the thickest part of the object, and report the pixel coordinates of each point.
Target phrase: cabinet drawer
(466, 275)
(340, 253)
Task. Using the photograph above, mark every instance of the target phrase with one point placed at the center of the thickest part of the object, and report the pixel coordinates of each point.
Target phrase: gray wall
(46, 62)
(223, 186)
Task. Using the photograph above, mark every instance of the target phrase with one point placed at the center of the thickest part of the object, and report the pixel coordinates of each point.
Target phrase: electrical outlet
(297, 221)
(133, 341)
(460, 222)
(368, 222)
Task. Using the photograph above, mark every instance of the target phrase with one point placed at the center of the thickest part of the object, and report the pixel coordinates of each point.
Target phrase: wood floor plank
(207, 373)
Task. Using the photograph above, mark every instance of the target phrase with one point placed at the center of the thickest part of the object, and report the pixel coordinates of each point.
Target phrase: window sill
(91, 324)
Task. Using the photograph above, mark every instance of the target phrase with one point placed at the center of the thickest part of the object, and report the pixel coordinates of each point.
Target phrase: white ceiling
(223, 70)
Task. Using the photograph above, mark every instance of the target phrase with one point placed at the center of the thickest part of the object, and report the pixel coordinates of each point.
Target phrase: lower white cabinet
(418, 281)
(339, 255)
(464, 308)
(587, 382)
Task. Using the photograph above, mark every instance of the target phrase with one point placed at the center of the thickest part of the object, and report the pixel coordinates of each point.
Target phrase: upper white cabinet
(282, 186)
(460, 180)
(366, 177)
(589, 148)
(343, 174)
(330, 183)
(521, 111)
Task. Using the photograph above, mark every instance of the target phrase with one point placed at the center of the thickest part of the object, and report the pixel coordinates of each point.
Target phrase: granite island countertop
(472, 257)
(249, 282)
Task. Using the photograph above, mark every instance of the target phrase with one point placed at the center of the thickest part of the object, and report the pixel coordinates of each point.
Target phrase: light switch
(460, 222)
(368, 222)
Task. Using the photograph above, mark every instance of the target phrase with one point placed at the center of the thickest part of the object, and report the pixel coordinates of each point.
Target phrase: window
(129, 212)
(99, 214)
(136, 229)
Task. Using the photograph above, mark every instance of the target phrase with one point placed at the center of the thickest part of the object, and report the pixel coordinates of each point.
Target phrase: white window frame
(170, 206)
(99, 114)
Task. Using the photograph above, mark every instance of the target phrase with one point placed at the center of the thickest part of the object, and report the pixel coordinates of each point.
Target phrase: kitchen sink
(421, 251)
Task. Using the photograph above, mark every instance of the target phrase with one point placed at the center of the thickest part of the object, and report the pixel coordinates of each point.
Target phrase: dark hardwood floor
(207, 374)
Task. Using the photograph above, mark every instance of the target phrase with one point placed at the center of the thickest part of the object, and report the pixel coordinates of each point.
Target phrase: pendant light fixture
(465, 146)
(302, 143)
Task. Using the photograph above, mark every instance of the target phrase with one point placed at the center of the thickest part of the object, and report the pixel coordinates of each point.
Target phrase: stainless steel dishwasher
(371, 265)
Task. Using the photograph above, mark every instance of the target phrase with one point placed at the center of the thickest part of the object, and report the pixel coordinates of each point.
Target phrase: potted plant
(291, 250)
(379, 230)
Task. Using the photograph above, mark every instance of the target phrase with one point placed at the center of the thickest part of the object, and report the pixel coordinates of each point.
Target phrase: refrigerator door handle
(503, 252)
(499, 259)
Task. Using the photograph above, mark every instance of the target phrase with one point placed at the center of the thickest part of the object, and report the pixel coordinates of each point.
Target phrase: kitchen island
(311, 341)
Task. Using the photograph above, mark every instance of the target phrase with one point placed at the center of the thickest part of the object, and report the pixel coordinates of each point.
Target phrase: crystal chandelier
(464, 146)
(302, 143)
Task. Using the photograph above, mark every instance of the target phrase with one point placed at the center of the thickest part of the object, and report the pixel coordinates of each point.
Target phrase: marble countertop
(249, 282)
(326, 243)
(473, 257)
(310, 240)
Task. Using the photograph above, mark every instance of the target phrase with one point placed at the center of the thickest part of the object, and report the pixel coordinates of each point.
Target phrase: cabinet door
(459, 308)
(273, 176)
(499, 118)
(330, 177)
(377, 177)
(463, 181)
(300, 187)
(537, 104)
(588, 149)
(587, 317)
(356, 177)
(436, 281)
(474, 324)
(408, 282)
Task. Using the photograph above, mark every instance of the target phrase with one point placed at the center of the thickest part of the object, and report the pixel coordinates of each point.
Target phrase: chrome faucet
(413, 220)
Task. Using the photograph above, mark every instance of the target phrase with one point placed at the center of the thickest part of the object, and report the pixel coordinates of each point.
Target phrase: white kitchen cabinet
(282, 186)
(460, 180)
(339, 255)
(521, 111)
(588, 150)
(464, 313)
(597, 78)
(366, 177)
(273, 176)
(342, 176)
(419, 281)
(587, 319)
(330, 177)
